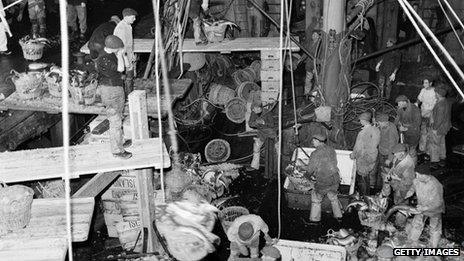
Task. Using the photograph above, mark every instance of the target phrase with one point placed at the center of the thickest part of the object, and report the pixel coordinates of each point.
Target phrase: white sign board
(302, 251)
(346, 166)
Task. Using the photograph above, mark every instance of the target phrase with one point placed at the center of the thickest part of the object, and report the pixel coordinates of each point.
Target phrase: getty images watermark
(426, 252)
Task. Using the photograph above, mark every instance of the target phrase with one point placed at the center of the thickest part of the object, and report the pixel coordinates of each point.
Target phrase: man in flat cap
(97, 39)
(388, 139)
(430, 205)
(124, 31)
(323, 167)
(365, 152)
(400, 178)
(409, 122)
(440, 124)
(388, 67)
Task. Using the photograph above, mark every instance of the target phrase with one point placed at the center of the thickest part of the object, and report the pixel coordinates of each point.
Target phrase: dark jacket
(391, 61)
(388, 139)
(266, 130)
(441, 117)
(107, 68)
(101, 32)
(323, 166)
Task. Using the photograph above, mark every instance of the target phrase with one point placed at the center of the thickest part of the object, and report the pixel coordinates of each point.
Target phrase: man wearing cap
(388, 67)
(440, 124)
(97, 39)
(388, 139)
(365, 152)
(77, 10)
(265, 124)
(110, 66)
(400, 178)
(409, 122)
(123, 30)
(243, 235)
(430, 205)
(323, 167)
(427, 100)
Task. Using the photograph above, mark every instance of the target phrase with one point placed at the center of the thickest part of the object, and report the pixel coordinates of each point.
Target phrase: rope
(451, 24)
(405, 5)
(65, 120)
(156, 9)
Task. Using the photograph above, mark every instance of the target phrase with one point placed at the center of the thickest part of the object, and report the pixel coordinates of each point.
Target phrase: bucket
(77, 94)
(28, 85)
(32, 51)
(245, 75)
(236, 110)
(15, 207)
(256, 67)
(217, 150)
(220, 94)
(245, 88)
(223, 65)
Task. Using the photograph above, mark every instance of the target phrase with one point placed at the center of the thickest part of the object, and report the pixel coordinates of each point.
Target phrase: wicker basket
(28, 85)
(90, 92)
(215, 32)
(15, 207)
(77, 94)
(32, 51)
(229, 214)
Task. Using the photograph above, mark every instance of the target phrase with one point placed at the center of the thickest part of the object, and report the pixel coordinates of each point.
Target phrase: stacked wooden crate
(120, 210)
(270, 76)
(274, 13)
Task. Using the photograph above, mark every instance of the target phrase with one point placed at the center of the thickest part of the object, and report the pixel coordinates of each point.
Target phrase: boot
(42, 28)
(34, 29)
(256, 153)
(336, 208)
(123, 155)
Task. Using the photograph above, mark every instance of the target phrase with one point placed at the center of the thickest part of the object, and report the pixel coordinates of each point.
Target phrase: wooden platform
(51, 104)
(45, 236)
(227, 46)
(28, 165)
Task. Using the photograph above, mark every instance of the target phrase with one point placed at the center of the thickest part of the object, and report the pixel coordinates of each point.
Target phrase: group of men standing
(386, 160)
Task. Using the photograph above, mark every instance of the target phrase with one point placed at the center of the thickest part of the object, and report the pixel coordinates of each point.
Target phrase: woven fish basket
(32, 51)
(28, 85)
(229, 214)
(15, 207)
(236, 110)
(90, 92)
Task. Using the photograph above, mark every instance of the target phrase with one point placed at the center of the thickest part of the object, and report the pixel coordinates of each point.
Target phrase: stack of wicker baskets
(229, 214)
(15, 207)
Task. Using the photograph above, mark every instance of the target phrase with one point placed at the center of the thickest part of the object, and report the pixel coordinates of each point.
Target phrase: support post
(139, 130)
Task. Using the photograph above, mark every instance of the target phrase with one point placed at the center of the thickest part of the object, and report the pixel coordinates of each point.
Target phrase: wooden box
(270, 76)
(266, 55)
(270, 86)
(269, 97)
(270, 65)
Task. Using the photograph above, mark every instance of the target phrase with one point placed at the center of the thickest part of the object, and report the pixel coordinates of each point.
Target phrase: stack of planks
(44, 239)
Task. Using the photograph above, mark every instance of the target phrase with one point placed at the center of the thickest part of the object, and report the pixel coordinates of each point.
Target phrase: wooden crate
(270, 76)
(270, 55)
(302, 251)
(111, 220)
(270, 65)
(128, 232)
(269, 86)
(269, 97)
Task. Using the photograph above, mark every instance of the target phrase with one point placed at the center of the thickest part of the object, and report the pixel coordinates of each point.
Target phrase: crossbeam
(27, 165)
(226, 46)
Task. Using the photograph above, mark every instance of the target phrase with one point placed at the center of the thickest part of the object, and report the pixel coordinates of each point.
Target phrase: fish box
(302, 251)
(128, 232)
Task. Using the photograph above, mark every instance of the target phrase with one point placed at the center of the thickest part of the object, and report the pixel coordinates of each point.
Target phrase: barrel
(236, 110)
(245, 88)
(217, 150)
(220, 94)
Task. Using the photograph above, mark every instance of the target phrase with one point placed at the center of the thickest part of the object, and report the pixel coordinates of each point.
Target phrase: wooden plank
(36, 254)
(144, 180)
(51, 104)
(236, 45)
(97, 184)
(47, 163)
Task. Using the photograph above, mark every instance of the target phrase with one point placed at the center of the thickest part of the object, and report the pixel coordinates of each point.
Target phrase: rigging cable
(451, 24)
(454, 13)
(405, 5)
(65, 119)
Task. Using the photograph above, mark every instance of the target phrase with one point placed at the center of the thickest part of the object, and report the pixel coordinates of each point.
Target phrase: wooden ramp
(227, 46)
(45, 236)
(28, 165)
(51, 104)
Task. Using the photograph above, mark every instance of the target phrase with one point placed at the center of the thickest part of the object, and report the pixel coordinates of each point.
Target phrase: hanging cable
(451, 24)
(156, 9)
(405, 5)
(454, 13)
(65, 120)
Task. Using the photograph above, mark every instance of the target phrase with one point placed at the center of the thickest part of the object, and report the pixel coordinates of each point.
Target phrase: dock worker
(323, 167)
(365, 152)
(77, 10)
(440, 124)
(388, 139)
(401, 178)
(244, 234)
(426, 100)
(388, 67)
(37, 16)
(110, 66)
(409, 122)
(195, 14)
(123, 30)
(97, 39)
(265, 124)
(430, 205)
